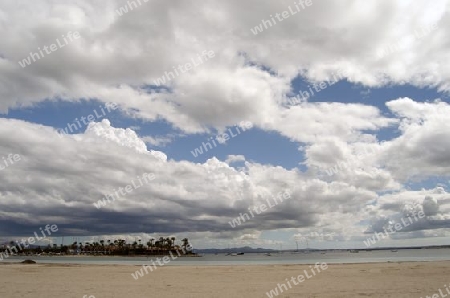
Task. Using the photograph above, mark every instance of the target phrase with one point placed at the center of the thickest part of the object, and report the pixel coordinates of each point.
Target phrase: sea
(337, 257)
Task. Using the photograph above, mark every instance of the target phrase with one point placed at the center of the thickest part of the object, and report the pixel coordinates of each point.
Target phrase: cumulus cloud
(235, 158)
(430, 206)
(404, 209)
(124, 137)
(65, 179)
(423, 147)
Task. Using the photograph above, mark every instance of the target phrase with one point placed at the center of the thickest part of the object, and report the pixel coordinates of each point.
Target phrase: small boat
(268, 254)
(394, 250)
(240, 253)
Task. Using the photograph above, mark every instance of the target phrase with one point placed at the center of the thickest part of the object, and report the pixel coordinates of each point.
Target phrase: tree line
(161, 246)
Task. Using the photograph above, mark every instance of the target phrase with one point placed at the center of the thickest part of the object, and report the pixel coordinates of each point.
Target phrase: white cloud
(234, 158)
(423, 148)
(117, 54)
(157, 141)
(65, 179)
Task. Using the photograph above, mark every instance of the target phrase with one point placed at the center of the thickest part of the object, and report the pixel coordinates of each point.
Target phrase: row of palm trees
(161, 246)
(121, 247)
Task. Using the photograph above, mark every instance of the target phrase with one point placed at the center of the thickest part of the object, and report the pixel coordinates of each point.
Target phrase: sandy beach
(412, 279)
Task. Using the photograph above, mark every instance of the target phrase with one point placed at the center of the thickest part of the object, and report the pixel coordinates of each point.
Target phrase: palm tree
(87, 246)
(102, 242)
(161, 242)
(74, 246)
(185, 244)
(173, 241)
(123, 245)
(168, 243)
(111, 247)
(150, 243)
(96, 246)
(12, 245)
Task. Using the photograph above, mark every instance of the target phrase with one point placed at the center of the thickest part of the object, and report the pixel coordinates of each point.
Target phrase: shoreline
(226, 264)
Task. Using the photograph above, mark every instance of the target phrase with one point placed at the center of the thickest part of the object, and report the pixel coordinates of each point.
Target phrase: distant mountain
(245, 249)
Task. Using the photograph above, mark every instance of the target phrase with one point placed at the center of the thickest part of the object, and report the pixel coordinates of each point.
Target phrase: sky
(256, 123)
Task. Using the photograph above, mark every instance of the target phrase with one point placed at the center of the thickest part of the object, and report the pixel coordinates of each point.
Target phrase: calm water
(261, 259)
